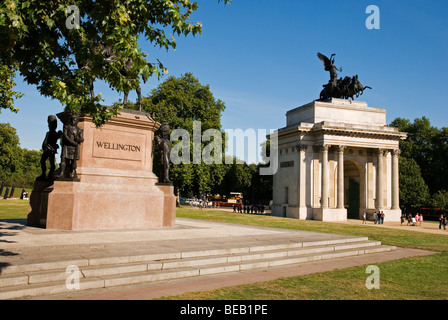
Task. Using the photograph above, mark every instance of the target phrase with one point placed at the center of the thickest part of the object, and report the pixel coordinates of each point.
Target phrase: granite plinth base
(327, 214)
(92, 205)
(38, 203)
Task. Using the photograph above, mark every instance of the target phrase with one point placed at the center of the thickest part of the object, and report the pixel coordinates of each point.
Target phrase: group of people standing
(249, 209)
(413, 221)
(378, 217)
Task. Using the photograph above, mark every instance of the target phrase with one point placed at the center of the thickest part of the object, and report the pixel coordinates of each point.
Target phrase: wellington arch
(337, 160)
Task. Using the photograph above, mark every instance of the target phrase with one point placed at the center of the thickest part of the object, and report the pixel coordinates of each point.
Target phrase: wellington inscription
(123, 146)
(118, 146)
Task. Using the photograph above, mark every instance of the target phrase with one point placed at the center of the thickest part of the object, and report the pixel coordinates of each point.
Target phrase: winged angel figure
(330, 67)
(339, 88)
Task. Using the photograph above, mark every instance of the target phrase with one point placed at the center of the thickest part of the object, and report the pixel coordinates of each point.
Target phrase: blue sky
(259, 57)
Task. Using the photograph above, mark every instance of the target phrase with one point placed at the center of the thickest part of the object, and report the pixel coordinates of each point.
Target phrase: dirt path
(428, 226)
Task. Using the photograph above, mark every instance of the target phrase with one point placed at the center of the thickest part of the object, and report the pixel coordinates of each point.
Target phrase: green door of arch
(353, 200)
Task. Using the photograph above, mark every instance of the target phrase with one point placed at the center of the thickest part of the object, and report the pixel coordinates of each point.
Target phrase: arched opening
(352, 190)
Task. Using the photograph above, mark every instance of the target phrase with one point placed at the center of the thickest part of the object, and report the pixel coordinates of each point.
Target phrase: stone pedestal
(322, 214)
(38, 205)
(116, 188)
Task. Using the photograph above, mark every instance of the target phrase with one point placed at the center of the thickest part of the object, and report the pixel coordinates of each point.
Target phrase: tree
(237, 178)
(413, 190)
(18, 167)
(261, 185)
(7, 93)
(183, 102)
(63, 46)
(10, 153)
(428, 146)
(30, 167)
(440, 200)
(439, 165)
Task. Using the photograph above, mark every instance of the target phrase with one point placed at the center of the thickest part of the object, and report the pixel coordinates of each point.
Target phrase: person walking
(382, 217)
(364, 218)
(375, 217)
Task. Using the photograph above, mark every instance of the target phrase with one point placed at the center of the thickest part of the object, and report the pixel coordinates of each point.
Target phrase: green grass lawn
(13, 209)
(417, 278)
(421, 278)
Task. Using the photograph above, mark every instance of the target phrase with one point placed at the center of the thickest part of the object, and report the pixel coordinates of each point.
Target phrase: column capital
(381, 152)
(396, 152)
(321, 147)
(325, 147)
(301, 147)
(341, 148)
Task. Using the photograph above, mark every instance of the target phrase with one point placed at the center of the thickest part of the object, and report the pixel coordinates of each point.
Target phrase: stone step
(42, 272)
(115, 260)
(47, 282)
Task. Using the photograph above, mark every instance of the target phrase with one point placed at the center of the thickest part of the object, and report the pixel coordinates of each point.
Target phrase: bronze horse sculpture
(108, 55)
(339, 88)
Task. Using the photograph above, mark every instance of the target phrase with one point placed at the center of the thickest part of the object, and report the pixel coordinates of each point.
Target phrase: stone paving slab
(21, 244)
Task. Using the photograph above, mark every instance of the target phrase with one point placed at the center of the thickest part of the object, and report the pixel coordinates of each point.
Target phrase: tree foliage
(10, 152)
(428, 146)
(7, 93)
(18, 166)
(413, 189)
(180, 102)
(440, 200)
(63, 59)
(423, 164)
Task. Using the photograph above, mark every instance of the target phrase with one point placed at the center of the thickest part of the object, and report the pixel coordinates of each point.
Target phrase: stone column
(341, 177)
(395, 180)
(379, 179)
(302, 175)
(325, 177)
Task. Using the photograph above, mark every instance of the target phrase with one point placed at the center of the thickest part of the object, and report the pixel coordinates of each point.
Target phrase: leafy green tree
(180, 102)
(18, 167)
(237, 178)
(10, 153)
(413, 189)
(30, 167)
(60, 46)
(261, 185)
(428, 146)
(440, 200)
(439, 166)
(7, 93)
